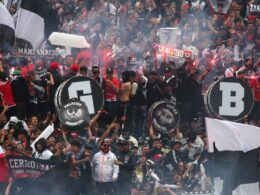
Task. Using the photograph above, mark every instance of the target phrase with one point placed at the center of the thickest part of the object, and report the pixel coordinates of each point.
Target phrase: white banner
(240, 135)
(169, 36)
(45, 134)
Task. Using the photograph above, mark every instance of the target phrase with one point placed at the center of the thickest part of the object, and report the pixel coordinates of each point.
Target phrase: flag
(68, 40)
(220, 6)
(233, 157)
(11, 3)
(36, 21)
(54, 182)
(169, 37)
(26, 167)
(6, 26)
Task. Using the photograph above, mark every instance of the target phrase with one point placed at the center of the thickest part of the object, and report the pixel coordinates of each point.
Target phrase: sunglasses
(106, 145)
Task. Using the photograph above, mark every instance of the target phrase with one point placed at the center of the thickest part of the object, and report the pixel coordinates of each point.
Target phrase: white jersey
(45, 155)
(104, 168)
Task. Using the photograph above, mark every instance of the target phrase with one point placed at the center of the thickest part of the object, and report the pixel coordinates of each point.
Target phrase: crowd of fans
(119, 151)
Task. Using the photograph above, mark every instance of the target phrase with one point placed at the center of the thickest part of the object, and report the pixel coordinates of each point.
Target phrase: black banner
(74, 115)
(165, 116)
(82, 88)
(25, 167)
(36, 53)
(40, 52)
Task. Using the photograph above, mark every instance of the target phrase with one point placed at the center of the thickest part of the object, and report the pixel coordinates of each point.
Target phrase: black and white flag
(6, 26)
(36, 21)
(234, 157)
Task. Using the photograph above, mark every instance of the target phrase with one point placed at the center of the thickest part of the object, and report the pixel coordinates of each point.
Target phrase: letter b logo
(232, 99)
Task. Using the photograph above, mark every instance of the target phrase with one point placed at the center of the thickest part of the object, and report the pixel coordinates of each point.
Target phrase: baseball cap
(173, 143)
(13, 120)
(54, 65)
(41, 71)
(17, 73)
(74, 67)
(109, 71)
(124, 142)
(95, 68)
(167, 69)
(156, 139)
(105, 141)
(89, 146)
